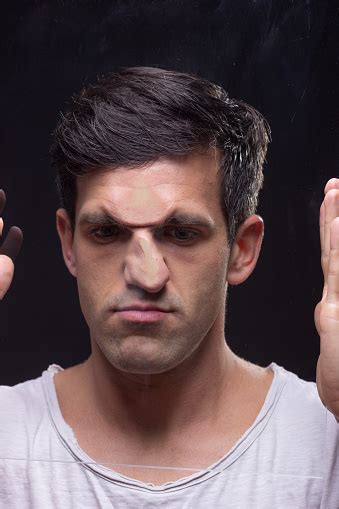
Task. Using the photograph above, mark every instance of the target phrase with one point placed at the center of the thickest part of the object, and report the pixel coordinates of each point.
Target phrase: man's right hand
(8, 250)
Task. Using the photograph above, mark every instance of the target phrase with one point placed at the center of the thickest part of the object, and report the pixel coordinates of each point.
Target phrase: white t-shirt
(288, 458)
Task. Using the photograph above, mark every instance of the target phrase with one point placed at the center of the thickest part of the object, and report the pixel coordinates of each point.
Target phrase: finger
(2, 201)
(333, 183)
(12, 244)
(333, 269)
(322, 234)
(2, 206)
(331, 206)
(6, 274)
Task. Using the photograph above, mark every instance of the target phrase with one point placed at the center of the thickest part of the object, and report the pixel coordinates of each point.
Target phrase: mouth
(142, 315)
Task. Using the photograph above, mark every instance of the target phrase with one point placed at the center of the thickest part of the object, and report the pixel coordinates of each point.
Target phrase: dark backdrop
(280, 55)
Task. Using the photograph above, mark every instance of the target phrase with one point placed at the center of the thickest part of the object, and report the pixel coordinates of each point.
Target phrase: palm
(327, 310)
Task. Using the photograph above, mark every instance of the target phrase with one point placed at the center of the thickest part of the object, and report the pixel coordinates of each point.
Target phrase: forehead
(146, 194)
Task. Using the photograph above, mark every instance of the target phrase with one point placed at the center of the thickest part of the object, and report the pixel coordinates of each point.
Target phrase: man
(158, 174)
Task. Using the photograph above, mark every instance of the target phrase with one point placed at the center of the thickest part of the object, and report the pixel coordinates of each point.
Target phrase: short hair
(139, 114)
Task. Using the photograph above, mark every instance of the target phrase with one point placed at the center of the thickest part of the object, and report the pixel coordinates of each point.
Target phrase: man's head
(148, 226)
(139, 115)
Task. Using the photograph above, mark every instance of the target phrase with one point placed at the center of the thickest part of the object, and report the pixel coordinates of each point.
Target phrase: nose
(145, 266)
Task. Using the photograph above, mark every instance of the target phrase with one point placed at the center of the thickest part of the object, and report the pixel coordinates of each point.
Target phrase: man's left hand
(326, 313)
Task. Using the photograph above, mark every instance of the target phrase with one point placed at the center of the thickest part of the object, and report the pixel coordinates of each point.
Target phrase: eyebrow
(177, 218)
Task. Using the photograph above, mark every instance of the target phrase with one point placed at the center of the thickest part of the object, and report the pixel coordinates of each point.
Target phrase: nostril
(150, 277)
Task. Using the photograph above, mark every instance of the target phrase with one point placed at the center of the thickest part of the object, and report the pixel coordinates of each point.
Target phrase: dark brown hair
(140, 114)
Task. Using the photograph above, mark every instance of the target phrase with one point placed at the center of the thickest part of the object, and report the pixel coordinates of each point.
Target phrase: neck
(151, 404)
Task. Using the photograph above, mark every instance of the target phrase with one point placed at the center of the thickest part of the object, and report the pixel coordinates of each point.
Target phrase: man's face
(178, 267)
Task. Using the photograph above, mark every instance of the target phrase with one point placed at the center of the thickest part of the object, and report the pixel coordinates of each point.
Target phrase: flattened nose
(145, 266)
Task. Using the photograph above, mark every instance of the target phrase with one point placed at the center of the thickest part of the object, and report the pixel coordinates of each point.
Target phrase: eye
(182, 235)
(105, 232)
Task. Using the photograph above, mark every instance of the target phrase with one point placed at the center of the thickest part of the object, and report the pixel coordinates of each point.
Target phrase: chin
(144, 366)
(144, 355)
(144, 362)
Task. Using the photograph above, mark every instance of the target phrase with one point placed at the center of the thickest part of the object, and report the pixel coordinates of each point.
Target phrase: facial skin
(150, 264)
(167, 393)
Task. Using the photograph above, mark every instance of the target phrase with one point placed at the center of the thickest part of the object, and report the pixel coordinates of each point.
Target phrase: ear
(63, 225)
(245, 250)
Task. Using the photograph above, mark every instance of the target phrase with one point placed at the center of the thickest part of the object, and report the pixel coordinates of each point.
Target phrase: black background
(280, 55)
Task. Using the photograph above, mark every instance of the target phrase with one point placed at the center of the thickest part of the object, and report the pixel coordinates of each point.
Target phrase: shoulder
(22, 408)
(299, 397)
(15, 400)
(300, 415)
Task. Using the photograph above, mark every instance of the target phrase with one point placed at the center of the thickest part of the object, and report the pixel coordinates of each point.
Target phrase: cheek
(203, 285)
(94, 284)
(94, 268)
(87, 291)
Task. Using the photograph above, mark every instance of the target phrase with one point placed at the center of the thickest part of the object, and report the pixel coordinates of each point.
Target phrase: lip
(142, 315)
(142, 307)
